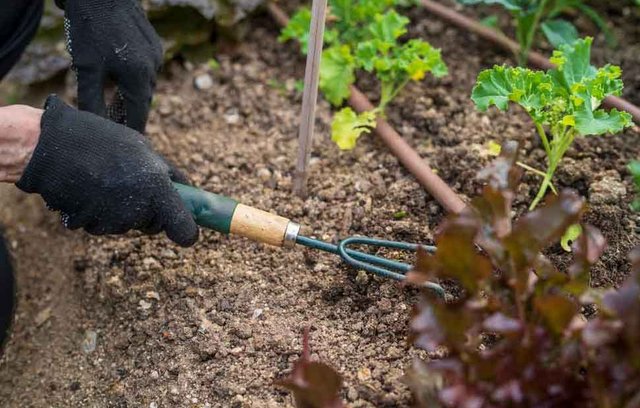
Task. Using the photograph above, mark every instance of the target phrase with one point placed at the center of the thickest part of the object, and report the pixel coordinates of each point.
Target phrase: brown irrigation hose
(409, 158)
(535, 59)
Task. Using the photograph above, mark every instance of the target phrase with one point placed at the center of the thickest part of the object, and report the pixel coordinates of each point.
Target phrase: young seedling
(564, 102)
(634, 167)
(313, 384)
(533, 15)
(365, 35)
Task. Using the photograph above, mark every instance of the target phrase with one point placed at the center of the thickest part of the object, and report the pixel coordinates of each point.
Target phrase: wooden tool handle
(258, 225)
(227, 216)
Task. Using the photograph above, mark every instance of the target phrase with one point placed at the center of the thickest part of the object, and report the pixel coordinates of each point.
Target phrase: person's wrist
(19, 135)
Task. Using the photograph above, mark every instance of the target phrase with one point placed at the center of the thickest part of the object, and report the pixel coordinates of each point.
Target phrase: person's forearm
(19, 133)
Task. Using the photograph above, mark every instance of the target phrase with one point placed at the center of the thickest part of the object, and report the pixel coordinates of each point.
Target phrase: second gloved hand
(112, 39)
(104, 177)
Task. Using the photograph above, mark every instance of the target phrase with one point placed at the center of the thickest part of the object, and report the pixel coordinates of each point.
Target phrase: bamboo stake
(310, 96)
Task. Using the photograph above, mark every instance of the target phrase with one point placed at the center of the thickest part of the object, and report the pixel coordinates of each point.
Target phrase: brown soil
(216, 324)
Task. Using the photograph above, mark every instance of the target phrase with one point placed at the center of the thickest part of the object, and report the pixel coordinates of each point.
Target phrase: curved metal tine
(377, 260)
(370, 260)
(383, 243)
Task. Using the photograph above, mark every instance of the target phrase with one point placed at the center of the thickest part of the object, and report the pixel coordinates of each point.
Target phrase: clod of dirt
(608, 189)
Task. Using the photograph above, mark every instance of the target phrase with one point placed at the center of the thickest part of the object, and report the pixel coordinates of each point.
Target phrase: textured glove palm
(112, 39)
(104, 177)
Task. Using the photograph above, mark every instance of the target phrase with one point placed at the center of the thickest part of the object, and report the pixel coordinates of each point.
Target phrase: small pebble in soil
(232, 117)
(151, 264)
(362, 278)
(320, 267)
(364, 374)
(264, 174)
(203, 82)
(256, 313)
(43, 316)
(314, 161)
(168, 254)
(155, 375)
(89, 341)
(144, 305)
(152, 295)
(165, 109)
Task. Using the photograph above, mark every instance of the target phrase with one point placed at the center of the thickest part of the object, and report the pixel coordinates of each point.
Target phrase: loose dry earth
(216, 324)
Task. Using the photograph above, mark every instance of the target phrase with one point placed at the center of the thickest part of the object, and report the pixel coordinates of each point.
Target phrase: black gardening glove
(112, 39)
(104, 177)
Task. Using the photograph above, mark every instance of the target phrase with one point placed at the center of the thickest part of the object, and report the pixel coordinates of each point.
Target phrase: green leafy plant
(514, 335)
(634, 167)
(533, 15)
(365, 35)
(565, 101)
(313, 384)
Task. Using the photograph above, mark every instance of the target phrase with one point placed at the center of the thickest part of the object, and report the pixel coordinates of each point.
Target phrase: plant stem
(545, 185)
(543, 137)
(538, 172)
(389, 92)
(385, 95)
(559, 147)
(527, 36)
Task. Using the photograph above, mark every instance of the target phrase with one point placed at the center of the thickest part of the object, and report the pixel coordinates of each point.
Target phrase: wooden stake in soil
(310, 96)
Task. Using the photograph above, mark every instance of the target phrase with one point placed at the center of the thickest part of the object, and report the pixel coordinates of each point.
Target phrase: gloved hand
(104, 177)
(112, 39)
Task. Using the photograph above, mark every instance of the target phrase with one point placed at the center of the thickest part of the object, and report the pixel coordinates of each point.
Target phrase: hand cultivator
(227, 216)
